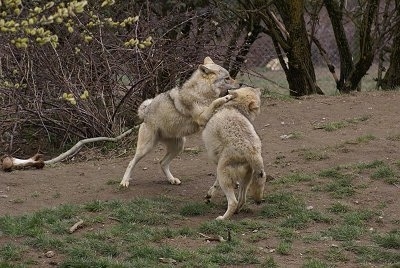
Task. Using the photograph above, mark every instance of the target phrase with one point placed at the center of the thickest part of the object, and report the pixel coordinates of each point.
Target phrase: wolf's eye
(227, 79)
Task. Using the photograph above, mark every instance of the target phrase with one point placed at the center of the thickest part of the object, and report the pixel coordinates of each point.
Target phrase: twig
(214, 238)
(114, 219)
(75, 226)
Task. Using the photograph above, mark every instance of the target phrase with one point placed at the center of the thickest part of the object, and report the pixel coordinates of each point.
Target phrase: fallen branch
(212, 238)
(8, 163)
(80, 143)
(75, 226)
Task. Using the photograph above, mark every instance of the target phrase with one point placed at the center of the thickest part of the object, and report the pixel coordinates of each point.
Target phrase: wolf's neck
(244, 110)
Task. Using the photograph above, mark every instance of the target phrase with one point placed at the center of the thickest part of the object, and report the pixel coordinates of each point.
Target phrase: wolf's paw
(174, 181)
(220, 218)
(229, 97)
(124, 183)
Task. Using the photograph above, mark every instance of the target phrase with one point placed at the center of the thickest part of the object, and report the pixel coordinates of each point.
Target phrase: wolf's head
(247, 100)
(214, 76)
(257, 186)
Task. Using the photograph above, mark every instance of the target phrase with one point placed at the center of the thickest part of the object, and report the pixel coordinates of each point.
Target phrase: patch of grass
(332, 126)
(339, 208)
(281, 205)
(358, 218)
(10, 252)
(371, 165)
(362, 139)
(113, 182)
(340, 185)
(284, 248)
(383, 172)
(389, 240)
(35, 194)
(95, 206)
(287, 234)
(372, 254)
(345, 232)
(336, 254)
(269, 263)
(315, 263)
(45, 242)
(195, 209)
(292, 210)
(314, 155)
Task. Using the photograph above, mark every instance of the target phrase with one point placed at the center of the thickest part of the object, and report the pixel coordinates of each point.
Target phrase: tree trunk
(335, 13)
(300, 74)
(350, 75)
(392, 76)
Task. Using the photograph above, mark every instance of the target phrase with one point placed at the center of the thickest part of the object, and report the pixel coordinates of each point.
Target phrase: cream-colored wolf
(180, 112)
(233, 144)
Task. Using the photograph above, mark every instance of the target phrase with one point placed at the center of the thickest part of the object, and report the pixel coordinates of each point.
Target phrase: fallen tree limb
(9, 163)
(80, 143)
(75, 226)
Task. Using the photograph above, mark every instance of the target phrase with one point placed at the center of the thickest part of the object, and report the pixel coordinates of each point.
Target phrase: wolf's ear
(208, 60)
(205, 70)
(253, 106)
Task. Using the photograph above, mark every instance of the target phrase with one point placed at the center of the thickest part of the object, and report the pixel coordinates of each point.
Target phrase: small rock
(3, 196)
(334, 246)
(285, 137)
(145, 168)
(271, 250)
(309, 207)
(50, 254)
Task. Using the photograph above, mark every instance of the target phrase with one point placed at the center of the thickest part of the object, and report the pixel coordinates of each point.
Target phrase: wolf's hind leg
(147, 139)
(174, 147)
(228, 187)
(243, 188)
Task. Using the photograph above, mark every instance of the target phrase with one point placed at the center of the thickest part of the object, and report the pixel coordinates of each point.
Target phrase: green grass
(314, 155)
(336, 125)
(389, 240)
(139, 232)
(362, 139)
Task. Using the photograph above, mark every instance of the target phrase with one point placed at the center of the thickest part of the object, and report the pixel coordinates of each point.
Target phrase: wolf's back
(142, 110)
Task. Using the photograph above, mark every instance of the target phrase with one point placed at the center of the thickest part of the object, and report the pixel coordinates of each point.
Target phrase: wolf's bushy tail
(142, 110)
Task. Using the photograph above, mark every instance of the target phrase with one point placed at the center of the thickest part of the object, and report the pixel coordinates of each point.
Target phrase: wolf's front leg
(206, 114)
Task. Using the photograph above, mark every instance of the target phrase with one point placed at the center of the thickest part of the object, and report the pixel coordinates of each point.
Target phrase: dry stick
(80, 143)
(75, 226)
(215, 238)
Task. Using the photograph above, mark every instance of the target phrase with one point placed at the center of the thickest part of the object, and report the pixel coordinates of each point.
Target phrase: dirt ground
(25, 191)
